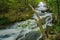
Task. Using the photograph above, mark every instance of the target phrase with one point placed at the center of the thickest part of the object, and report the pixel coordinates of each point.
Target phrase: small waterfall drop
(48, 16)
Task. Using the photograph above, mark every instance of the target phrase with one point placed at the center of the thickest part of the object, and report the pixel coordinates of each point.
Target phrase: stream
(28, 30)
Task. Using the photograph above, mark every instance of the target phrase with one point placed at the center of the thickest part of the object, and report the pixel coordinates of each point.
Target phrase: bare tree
(40, 24)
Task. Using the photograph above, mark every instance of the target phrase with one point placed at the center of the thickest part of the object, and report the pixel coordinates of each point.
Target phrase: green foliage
(58, 26)
(16, 10)
(17, 4)
(4, 20)
(53, 4)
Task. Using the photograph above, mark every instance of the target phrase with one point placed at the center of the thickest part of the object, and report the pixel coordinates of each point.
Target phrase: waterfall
(46, 15)
(19, 30)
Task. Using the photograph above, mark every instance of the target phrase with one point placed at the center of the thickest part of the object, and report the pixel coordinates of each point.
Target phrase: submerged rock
(31, 36)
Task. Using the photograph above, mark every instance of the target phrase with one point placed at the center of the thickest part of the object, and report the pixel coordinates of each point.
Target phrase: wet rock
(31, 36)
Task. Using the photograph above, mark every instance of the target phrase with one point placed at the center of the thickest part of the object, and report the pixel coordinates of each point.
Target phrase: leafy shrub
(4, 20)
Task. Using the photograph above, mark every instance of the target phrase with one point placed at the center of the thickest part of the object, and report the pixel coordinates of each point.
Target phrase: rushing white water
(46, 15)
(41, 6)
(22, 28)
